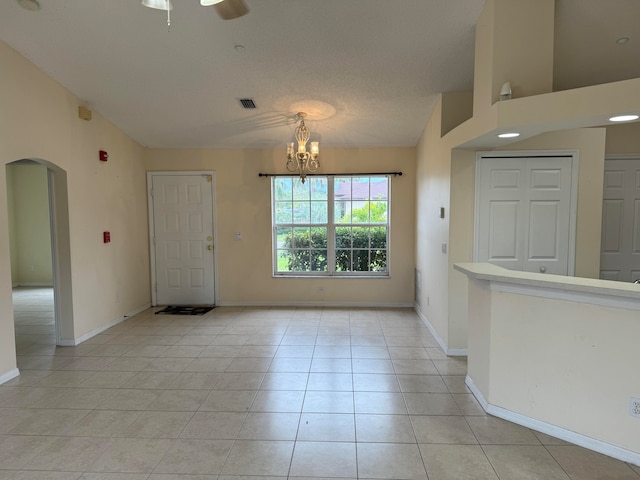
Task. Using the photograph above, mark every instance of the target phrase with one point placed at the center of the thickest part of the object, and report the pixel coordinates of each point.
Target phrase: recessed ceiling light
(508, 135)
(624, 118)
(622, 40)
(239, 48)
(31, 5)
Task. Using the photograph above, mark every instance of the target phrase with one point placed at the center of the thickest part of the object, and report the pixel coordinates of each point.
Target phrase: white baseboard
(99, 330)
(457, 352)
(451, 352)
(137, 310)
(33, 284)
(10, 375)
(558, 432)
(315, 304)
(477, 393)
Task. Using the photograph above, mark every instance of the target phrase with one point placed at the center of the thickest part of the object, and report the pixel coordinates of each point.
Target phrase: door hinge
(155, 287)
(209, 178)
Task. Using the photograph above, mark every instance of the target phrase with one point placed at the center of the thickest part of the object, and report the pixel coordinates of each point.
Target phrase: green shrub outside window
(331, 225)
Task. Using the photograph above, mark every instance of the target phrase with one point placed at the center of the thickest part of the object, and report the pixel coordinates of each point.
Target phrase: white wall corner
(476, 393)
(10, 375)
(450, 352)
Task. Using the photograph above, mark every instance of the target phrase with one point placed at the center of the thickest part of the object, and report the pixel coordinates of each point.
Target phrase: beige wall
(30, 232)
(7, 341)
(461, 231)
(623, 139)
(527, 62)
(432, 192)
(590, 359)
(40, 121)
(243, 205)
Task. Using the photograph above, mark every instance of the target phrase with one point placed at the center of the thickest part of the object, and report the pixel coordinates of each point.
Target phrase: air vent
(247, 103)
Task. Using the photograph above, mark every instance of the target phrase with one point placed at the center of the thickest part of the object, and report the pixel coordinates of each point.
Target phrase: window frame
(330, 226)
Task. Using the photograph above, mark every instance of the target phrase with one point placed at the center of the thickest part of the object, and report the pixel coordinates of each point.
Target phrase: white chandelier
(302, 161)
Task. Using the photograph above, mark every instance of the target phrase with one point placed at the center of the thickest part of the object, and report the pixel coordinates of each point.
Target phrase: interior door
(183, 239)
(620, 257)
(523, 213)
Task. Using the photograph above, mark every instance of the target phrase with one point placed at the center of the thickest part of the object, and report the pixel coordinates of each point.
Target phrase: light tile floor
(260, 392)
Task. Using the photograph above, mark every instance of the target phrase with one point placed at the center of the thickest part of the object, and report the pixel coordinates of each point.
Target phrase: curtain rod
(398, 174)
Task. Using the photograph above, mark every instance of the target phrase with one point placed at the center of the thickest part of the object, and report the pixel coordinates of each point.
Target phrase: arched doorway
(60, 248)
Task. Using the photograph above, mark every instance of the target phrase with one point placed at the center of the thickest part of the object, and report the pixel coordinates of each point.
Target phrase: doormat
(184, 310)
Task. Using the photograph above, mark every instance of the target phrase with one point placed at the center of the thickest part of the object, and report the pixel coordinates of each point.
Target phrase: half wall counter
(560, 355)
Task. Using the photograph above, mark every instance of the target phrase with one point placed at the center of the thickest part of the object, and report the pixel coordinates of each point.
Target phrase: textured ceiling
(367, 72)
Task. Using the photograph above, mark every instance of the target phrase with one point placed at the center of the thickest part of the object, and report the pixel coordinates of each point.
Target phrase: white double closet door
(524, 217)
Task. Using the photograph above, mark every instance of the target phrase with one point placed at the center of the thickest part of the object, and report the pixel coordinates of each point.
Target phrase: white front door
(620, 258)
(523, 213)
(182, 231)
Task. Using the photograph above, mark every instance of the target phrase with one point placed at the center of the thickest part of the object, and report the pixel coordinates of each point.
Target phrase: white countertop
(493, 273)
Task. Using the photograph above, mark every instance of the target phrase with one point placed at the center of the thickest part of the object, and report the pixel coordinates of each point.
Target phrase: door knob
(209, 247)
(543, 269)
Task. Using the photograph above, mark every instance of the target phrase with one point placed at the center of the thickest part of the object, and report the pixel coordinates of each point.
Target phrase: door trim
(58, 199)
(152, 247)
(573, 207)
(622, 156)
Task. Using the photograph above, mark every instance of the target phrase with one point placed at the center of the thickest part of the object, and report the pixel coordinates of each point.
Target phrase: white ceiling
(367, 72)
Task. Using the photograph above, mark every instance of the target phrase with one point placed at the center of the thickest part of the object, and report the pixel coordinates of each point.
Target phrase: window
(331, 225)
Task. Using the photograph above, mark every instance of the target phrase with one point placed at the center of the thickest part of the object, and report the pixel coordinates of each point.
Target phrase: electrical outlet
(634, 407)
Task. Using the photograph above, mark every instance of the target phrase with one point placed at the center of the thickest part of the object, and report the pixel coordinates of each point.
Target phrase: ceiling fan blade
(230, 9)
